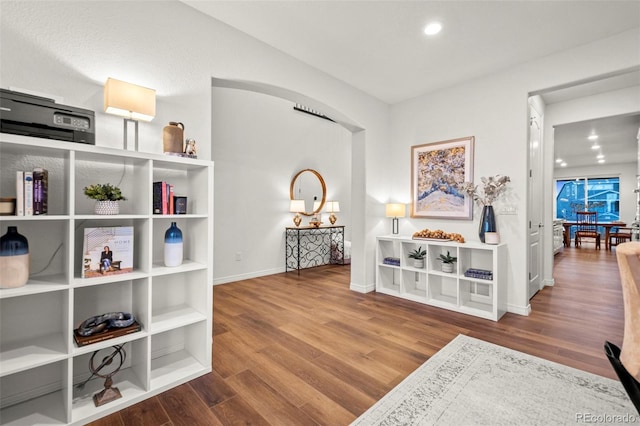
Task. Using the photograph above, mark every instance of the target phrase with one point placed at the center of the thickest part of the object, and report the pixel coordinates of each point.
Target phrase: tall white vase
(173, 246)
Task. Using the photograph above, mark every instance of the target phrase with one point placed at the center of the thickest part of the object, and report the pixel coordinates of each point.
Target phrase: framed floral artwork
(438, 171)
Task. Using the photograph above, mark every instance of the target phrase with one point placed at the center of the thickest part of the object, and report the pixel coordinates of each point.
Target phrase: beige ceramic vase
(173, 137)
(14, 259)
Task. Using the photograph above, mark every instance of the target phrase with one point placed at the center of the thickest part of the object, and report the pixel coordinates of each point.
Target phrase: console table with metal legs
(309, 246)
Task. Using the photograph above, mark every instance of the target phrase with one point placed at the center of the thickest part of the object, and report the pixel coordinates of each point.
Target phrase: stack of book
(395, 261)
(163, 202)
(479, 273)
(106, 334)
(31, 192)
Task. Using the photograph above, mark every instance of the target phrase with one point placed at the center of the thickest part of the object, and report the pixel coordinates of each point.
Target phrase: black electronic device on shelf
(30, 115)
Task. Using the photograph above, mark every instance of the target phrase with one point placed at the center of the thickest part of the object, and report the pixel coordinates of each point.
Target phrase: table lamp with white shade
(130, 101)
(395, 210)
(333, 207)
(297, 207)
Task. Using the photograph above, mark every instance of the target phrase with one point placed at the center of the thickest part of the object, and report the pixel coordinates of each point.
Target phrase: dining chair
(619, 235)
(587, 227)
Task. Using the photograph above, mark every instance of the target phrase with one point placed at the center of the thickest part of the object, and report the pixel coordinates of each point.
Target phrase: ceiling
(617, 138)
(617, 135)
(379, 48)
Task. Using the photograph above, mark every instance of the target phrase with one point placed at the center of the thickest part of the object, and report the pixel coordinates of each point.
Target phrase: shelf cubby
(388, 280)
(387, 248)
(32, 330)
(141, 243)
(23, 404)
(131, 380)
(49, 260)
(182, 351)
(194, 232)
(177, 301)
(477, 296)
(130, 174)
(185, 179)
(414, 282)
(443, 289)
(56, 161)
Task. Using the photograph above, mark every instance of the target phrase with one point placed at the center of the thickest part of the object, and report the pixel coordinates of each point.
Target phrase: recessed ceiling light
(592, 137)
(595, 146)
(600, 156)
(558, 160)
(601, 160)
(563, 164)
(433, 28)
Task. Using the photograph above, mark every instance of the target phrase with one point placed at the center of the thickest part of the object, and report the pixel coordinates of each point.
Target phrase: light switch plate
(509, 209)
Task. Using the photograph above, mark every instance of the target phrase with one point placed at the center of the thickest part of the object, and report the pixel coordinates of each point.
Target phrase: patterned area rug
(472, 382)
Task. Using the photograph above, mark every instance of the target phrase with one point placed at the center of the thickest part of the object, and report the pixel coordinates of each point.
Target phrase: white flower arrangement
(493, 186)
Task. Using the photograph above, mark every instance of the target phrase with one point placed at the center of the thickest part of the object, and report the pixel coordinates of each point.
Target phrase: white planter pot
(447, 267)
(418, 263)
(107, 207)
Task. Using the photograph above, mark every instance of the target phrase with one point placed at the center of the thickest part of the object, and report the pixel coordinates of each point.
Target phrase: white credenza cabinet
(454, 291)
(40, 362)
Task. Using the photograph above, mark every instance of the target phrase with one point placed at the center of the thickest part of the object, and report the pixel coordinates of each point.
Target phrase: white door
(535, 201)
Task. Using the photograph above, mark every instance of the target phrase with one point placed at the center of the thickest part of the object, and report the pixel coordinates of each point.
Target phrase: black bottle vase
(487, 222)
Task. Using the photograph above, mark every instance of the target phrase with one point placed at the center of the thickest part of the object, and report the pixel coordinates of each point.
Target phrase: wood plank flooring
(305, 350)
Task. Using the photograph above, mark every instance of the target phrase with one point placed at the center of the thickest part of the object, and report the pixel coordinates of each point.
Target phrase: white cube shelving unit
(40, 363)
(454, 291)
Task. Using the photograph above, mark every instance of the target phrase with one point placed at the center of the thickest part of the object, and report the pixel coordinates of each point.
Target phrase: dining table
(606, 225)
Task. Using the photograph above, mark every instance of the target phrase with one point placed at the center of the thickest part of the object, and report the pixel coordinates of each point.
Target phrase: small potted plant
(447, 262)
(106, 196)
(418, 256)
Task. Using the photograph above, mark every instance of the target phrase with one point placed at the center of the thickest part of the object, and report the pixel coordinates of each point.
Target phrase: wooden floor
(305, 350)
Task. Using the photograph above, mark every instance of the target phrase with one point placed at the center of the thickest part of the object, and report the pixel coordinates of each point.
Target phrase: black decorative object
(109, 393)
(487, 221)
(307, 247)
(102, 322)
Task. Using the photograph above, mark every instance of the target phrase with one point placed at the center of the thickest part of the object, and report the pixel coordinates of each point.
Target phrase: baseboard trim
(362, 288)
(249, 275)
(520, 310)
(548, 282)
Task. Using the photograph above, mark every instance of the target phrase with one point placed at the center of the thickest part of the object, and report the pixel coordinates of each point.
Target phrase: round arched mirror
(309, 186)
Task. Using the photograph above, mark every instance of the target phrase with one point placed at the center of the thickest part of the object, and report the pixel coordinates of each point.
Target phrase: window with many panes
(588, 194)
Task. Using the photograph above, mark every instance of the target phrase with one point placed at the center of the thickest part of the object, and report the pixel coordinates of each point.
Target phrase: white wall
(70, 48)
(260, 143)
(494, 110)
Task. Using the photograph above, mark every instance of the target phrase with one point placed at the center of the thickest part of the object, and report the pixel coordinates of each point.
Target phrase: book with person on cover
(107, 251)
